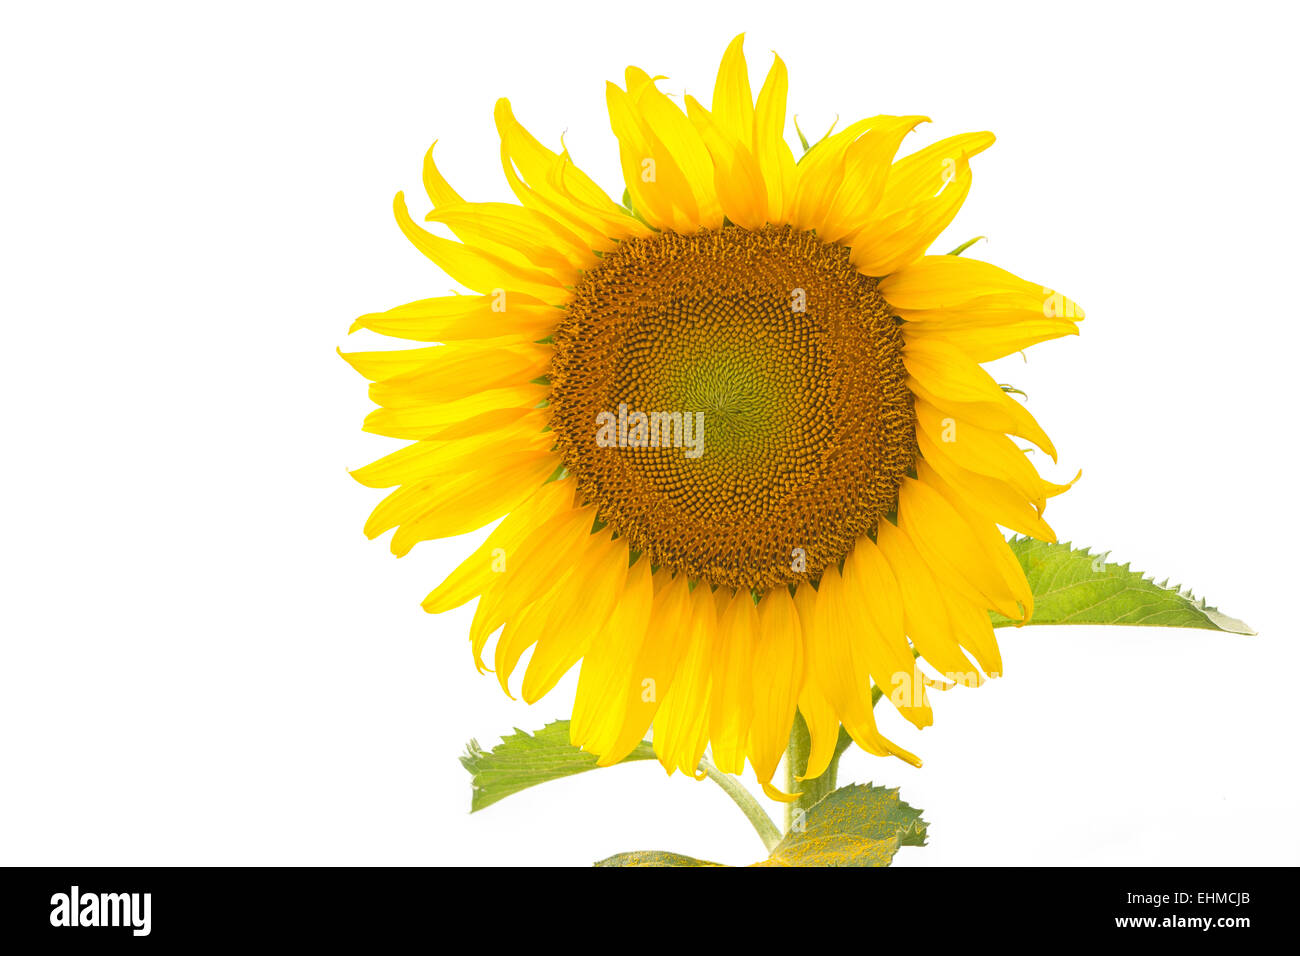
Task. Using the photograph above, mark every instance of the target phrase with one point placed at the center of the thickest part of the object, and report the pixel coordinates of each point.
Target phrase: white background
(204, 660)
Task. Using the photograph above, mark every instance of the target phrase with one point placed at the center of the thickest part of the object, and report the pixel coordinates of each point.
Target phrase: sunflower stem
(749, 806)
(796, 764)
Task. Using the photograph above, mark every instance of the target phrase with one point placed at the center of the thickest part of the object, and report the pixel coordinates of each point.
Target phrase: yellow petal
(866, 170)
(659, 189)
(818, 714)
(925, 616)
(538, 562)
(985, 452)
(682, 141)
(457, 317)
(996, 500)
(601, 699)
(422, 420)
(895, 239)
(972, 626)
(535, 161)
(956, 282)
(775, 161)
(983, 343)
(579, 614)
(441, 508)
(652, 676)
(617, 223)
(455, 371)
(834, 657)
(533, 420)
(681, 727)
(995, 546)
(941, 375)
(951, 547)
(513, 232)
(732, 699)
(921, 176)
(737, 181)
(880, 642)
(983, 311)
(818, 176)
(776, 793)
(516, 234)
(778, 676)
(389, 363)
(430, 459)
(436, 185)
(475, 268)
(525, 629)
(494, 555)
(552, 184)
(733, 103)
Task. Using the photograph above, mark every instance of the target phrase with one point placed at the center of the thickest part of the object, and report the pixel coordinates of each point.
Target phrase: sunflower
(736, 426)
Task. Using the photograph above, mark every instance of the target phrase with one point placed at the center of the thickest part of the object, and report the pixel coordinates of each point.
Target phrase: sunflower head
(800, 418)
(736, 427)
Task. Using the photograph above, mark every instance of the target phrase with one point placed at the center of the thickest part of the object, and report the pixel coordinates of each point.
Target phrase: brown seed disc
(794, 360)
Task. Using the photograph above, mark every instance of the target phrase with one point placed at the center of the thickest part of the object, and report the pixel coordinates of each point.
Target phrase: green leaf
(966, 245)
(1075, 586)
(653, 858)
(858, 825)
(521, 761)
(803, 140)
(632, 210)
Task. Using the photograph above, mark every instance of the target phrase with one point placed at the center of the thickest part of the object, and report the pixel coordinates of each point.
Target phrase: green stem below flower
(796, 765)
(749, 806)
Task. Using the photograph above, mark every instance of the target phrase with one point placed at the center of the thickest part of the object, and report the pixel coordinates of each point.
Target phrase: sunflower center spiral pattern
(785, 366)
